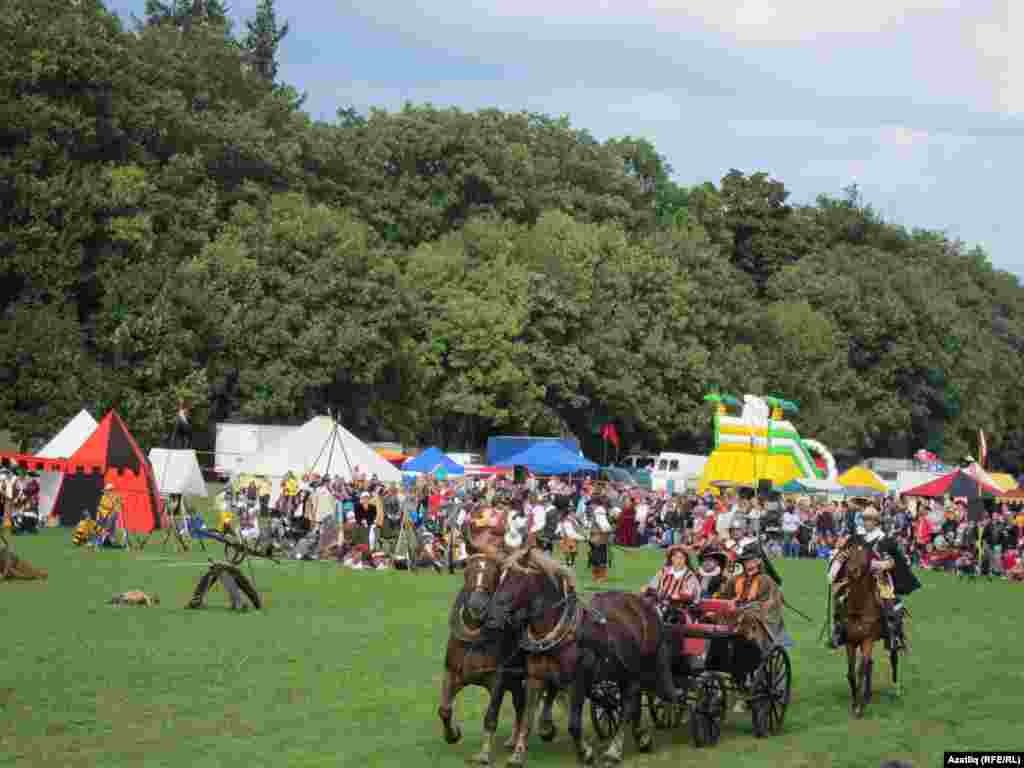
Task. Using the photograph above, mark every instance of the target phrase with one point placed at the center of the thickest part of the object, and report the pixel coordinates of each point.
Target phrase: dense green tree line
(173, 224)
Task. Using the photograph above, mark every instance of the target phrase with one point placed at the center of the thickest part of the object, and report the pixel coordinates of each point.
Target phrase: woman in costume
(675, 585)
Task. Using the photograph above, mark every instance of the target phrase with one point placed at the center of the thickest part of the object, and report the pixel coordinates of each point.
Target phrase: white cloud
(998, 46)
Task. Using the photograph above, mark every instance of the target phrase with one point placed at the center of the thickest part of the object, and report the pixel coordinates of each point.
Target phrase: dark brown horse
(488, 660)
(569, 645)
(865, 627)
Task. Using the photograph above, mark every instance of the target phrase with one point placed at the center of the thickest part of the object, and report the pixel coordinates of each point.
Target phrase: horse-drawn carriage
(713, 663)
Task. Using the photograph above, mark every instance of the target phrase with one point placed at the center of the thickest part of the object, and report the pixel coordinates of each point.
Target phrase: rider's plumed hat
(713, 553)
(749, 553)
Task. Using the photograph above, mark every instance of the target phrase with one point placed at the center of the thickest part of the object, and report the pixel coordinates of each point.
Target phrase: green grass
(343, 668)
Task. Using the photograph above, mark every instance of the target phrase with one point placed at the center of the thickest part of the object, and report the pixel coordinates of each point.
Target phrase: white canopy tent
(320, 446)
(821, 486)
(177, 472)
(61, 446)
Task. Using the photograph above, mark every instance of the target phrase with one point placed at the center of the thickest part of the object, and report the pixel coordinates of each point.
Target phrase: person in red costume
(625, 531)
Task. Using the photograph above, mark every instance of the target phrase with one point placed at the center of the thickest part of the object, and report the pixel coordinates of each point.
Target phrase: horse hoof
(482, 759)
(454, 735)
(546, 731)
(645, 743)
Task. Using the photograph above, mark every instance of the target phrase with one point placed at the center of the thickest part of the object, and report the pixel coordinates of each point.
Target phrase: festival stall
(63, 445)
(395, 457)
(863, 477)
(431, 461)
(1003, 480)
(109, 457)
(177, 472)
(322, 447)
(956, 484)
(549, 458)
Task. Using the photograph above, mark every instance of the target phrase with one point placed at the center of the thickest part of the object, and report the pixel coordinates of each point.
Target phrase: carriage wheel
(605, 708)
(665, 715)
(770, 695)
(707, 711)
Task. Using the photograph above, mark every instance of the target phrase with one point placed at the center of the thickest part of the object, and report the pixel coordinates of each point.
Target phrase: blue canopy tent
(430, 461)
(549, 458)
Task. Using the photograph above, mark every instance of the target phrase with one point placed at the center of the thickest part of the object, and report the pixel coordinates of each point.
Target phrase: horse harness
(456, 620)
(563, 632)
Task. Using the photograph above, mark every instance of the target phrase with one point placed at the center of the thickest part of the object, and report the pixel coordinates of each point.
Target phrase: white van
(677, 472)
(637, 461)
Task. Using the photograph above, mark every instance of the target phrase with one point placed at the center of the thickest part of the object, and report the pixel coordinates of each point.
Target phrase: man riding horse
(893, 580)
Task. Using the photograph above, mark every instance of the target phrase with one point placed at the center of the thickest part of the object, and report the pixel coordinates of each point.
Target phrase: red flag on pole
(982, 449)
(610, 435)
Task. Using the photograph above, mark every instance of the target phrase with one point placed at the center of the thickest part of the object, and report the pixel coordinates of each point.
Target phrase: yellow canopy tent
(389, 455)
(1003, 480)
(863, 477)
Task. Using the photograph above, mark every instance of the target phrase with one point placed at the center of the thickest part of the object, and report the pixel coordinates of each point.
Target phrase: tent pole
(329, 440)
(330, 452)
(344, 453)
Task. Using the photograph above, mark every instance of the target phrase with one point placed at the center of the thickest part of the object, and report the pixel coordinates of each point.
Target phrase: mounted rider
(893, 580)
(675, 585)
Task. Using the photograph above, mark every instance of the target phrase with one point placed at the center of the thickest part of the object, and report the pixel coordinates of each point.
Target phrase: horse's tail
(665, 685)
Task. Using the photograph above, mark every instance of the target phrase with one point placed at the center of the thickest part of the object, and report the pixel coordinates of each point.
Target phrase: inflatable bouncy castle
(756, 442)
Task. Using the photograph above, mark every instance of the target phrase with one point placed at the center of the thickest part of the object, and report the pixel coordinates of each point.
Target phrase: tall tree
(262, 40)
(184, 13)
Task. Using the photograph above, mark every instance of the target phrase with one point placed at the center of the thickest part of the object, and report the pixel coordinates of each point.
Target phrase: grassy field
(343, 669)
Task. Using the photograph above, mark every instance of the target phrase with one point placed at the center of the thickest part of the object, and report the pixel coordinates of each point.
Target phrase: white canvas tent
(177, 472)
(71, 438)
(62, 446)
(323, 446)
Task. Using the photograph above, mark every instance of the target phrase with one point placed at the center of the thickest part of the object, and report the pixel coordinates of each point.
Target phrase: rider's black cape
(903, 579)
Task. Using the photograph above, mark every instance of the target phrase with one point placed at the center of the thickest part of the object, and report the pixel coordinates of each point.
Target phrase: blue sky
(919, 102)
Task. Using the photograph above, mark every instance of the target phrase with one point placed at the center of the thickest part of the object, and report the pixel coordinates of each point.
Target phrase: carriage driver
(675, 585)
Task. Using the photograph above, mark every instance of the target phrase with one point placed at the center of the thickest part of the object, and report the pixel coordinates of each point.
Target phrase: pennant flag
(610, 435)
(982, 449)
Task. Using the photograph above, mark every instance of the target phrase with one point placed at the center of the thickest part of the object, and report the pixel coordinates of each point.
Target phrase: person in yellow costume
(289, 493)
(109, 513)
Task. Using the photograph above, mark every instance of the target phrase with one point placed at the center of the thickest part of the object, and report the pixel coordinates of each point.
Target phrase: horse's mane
(525, 557)
(551, 568)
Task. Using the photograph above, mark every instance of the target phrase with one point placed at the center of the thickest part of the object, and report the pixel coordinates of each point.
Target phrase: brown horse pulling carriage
(492, 661)
(724, 655)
